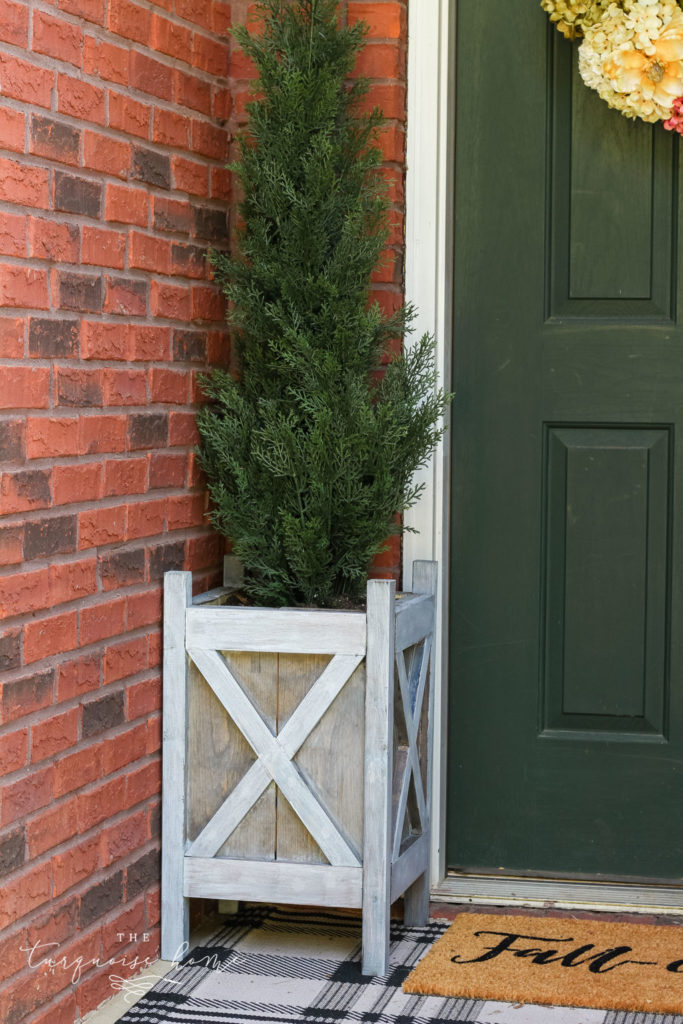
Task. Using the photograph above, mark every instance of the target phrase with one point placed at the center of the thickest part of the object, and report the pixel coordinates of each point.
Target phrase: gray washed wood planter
(296, 756)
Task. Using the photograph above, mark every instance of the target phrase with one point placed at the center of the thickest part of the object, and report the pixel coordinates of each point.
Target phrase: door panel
(566, 735)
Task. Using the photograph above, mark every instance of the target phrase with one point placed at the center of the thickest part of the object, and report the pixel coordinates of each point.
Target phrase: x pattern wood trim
(274, 757)
(410, 764)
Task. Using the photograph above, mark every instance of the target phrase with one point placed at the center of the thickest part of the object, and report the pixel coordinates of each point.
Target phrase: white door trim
(428, 280)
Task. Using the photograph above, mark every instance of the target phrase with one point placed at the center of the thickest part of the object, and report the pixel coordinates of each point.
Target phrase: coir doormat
(556, 961)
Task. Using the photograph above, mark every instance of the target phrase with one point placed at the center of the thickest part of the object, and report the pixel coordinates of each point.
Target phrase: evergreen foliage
(310, 452)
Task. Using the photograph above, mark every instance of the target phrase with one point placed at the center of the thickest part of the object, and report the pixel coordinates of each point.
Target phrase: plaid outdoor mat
(272, 966)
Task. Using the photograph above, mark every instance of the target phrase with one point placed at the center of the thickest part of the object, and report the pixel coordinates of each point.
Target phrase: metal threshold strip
(565, 895)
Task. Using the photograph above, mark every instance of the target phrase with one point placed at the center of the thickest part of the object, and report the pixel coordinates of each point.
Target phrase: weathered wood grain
(277, 881)
(285, 631)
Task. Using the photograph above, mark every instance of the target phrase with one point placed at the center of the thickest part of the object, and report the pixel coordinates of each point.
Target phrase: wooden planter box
(296, 756)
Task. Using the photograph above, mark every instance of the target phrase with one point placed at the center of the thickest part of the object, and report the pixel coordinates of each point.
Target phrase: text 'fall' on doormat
(556, 962)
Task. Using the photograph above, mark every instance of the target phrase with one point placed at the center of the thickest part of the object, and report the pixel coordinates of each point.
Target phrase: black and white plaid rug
(272, 966)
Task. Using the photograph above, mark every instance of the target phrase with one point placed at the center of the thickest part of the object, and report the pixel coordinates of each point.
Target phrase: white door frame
(428, 282)
(429, 285)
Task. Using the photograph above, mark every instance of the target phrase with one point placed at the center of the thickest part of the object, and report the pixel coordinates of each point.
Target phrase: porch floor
(485, 1013)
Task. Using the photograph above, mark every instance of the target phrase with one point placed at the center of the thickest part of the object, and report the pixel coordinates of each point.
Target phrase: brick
(105, 712)
(221, 184)
(25, 490)
(207, 304)
(148, 430)
(150, 76)
(209, 140)
(12, 234)
(103, 248)
(13, 751)
(71, 484)
(53, 240)
(51, 828)
(46, 537)
(149, 344)
(23, 286)
(204, 552)
(185, 511)
(126, 205)
(54, 139)
(182, 429)
(130, 20)
(125, 476)
(45, 637)
(128, 115)
(77, 863)
(221, 19)
(143, 697)
(146, 518)
(210, 55)
(171, 128)
(59, 925)
(76, 770)
(199, 14)
(11, 338)
(26, 795)
(154, 819)
(123, 837)
(103, 340)
(125, 296)
(99, 622)
(12, 122)
(98, 526)
(209, 222)
(154, 734)
(102, 802)
(10, 650)
(24, 592)
(122, 569)
(12, 440)
(30, 693)
(144, 609)
(12, 851)
(101, 898)
(190, 176)
(170, 38)
(172, 214)
(48, 437)
(23, 80)
(125, 748)
(168, 386)
(77, 195)
(104, 60)
(77, 387)
(74, 678)
(80, 99)
(384, 21)
(89, 10)
(151, 167)
(55, 734)
(124, 387)
(102, 434)
(72, 580)
(11, 545)
(57, 38)
(142, 873)
(131, 922)
(189, 260)
(149, 253)
(166, 557)
(190, 91)
(101, 153)
(22, 894)
(14, 23)
(81, 292)
(189, 346)
(170, 301)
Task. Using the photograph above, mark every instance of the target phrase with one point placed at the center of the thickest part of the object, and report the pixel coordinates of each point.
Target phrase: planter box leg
(175, 923)
(379, 728)
(416, 902)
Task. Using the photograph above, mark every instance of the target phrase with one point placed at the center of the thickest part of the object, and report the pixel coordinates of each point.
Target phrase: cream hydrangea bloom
(633, 57)
(572, 16)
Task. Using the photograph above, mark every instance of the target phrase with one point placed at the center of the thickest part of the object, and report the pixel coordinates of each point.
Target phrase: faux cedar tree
(310, 452)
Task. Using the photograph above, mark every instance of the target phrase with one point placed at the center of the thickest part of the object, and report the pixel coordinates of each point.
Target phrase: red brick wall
(114, 131)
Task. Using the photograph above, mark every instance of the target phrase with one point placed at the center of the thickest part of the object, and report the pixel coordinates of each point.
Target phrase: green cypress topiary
(309, 453)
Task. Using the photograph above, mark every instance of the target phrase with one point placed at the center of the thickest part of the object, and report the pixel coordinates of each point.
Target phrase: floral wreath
(631, 53)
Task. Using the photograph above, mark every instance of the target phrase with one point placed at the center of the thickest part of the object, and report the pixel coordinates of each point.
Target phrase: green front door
(566, 713)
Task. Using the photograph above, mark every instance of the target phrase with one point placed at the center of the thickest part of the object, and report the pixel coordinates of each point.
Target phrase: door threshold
(616, 897)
